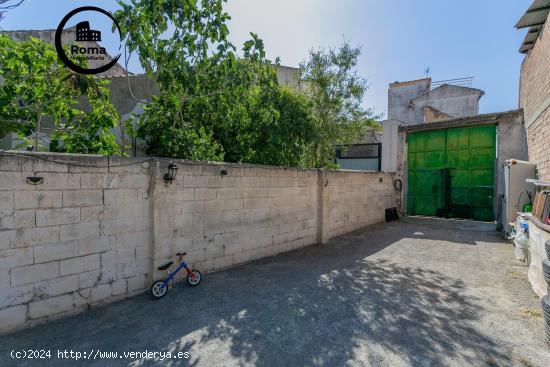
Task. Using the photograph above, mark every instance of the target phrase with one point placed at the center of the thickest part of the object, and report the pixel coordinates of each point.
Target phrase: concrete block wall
(357, 199)
(77, 240)
(96, 229)
(535, 100)
(223, 220)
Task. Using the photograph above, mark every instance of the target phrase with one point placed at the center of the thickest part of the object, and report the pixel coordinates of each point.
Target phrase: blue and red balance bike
(160, 287)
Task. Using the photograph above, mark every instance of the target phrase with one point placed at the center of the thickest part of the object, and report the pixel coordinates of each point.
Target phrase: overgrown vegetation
(213, 104)
(336, 92)
(38, 94)
(213, 100)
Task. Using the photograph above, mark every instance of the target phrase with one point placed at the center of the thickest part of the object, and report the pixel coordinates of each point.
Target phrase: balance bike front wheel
(194, 278)
(159, 289)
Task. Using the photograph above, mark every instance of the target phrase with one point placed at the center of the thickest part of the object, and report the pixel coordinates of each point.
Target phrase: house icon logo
(86, 55)
(85, 34)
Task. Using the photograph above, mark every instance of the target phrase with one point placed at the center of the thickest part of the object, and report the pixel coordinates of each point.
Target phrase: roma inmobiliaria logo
(81, 47)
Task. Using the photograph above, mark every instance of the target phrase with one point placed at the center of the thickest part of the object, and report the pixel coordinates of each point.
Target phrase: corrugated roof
(534, 17)
(530, 39)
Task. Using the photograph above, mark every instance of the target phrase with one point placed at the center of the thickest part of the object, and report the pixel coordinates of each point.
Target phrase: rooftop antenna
(427, 72)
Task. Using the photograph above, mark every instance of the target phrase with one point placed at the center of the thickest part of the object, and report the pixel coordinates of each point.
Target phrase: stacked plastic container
(521, 240)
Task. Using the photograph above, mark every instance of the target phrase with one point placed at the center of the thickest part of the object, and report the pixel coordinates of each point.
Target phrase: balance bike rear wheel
(194, 278)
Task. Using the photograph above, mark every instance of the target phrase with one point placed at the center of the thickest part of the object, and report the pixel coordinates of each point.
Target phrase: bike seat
(165, 266)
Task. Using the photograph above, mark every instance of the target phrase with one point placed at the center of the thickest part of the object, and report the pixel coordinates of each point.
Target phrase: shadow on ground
(326, 305)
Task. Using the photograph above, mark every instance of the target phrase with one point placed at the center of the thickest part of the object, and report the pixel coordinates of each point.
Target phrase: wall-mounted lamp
(224, 172)
(34, 180)
(171, 174)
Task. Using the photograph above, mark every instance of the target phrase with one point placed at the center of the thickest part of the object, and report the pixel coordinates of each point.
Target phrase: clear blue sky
(399, 38)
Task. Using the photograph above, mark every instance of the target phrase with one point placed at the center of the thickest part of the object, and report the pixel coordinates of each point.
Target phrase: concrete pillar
(323, 232)
(390, 141)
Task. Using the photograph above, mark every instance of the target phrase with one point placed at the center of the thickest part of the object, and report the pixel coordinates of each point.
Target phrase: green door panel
(460, 196)
(423, 182)
(436, 159)
(483, 136)
(482, 213)
(465, 158)
(458, 138)
(417, 160)
(426, 207)
(435, 140)
(411, 208)
(482, 157)
(482, 177)
(416, 143)
(481, 196)
(460, 178)
(427, 192)
(458, 158)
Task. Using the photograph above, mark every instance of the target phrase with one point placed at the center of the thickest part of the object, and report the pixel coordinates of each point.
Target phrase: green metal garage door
(451, 172)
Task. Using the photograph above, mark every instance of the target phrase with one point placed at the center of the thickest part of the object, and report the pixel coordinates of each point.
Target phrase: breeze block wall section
(78, 239)
(95, 229)
(357, 200)
(223, 215)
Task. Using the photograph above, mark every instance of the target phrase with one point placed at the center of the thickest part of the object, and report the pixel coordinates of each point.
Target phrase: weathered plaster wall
(407, 101)
(453, 100)
(511, 144)
(97, 228)
(390, 145)
(400, 96)
(535, 100)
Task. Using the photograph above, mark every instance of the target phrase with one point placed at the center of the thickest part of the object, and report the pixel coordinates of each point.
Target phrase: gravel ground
(416, 292)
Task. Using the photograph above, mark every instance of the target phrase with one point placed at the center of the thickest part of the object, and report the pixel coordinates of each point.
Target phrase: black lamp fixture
(34, 180)
(171, 174)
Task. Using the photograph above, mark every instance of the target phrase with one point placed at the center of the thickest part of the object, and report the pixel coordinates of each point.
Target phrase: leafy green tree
(37, 90)
(278, 128)
(213, 104)
(336, 92)
(167, 135)
(175, 39)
